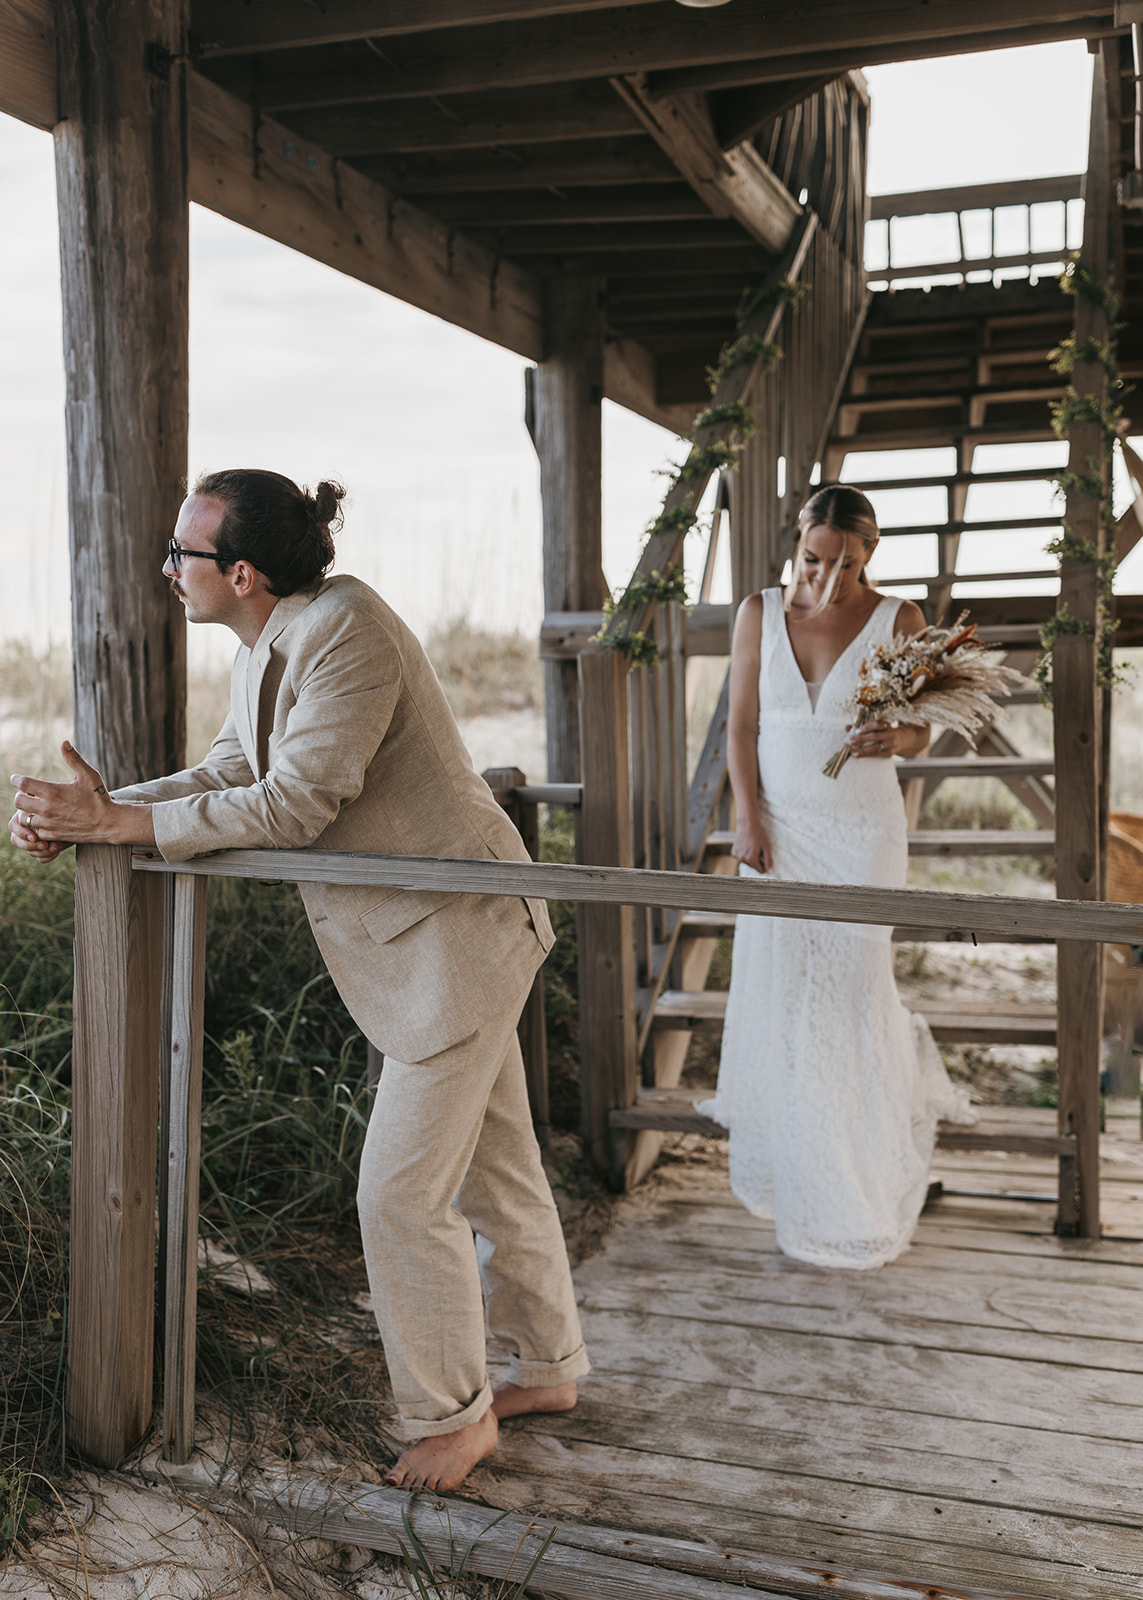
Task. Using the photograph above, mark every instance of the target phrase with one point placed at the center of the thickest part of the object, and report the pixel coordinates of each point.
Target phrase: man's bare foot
(443, 1461)
(509, 1400)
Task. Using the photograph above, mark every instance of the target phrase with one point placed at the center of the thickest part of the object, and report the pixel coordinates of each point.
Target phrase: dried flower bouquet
(939, 675)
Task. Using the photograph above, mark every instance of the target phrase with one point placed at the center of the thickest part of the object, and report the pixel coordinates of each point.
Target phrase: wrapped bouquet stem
(939, 675)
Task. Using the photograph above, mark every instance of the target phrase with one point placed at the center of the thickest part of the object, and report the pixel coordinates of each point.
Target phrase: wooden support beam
(181, 1159)
(606, 931)
(1078, 734)
(28, 87)
(573, 164)
(629, 380)
(258, 173)
(115, 1082)
(565, 419)
(881, 49)
(733, 183)
(739, 113)
(222, 28)
(121, 162)
(523, 117)
(589, 206)
(509, 786)
(612, 43)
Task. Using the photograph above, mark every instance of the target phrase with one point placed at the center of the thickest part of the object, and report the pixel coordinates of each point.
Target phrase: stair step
(960, 1022)
(944, 842)
(715, 924)
(976, 767)
(982, 842)
(673, 1111)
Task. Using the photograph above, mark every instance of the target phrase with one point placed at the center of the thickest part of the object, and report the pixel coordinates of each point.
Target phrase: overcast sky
(297, 368)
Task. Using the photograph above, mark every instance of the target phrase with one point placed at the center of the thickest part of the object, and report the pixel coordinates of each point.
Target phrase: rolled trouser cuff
(549, 1374)
(413, 1428)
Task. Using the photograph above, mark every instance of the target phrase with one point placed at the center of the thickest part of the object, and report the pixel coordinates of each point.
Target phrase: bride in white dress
(830, 1088)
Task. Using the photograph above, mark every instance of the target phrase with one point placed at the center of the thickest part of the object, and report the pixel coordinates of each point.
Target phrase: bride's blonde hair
(842, 510)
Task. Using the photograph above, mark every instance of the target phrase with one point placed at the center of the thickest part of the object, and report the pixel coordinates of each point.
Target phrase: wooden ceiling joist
(797, 40)
(472, 122)
(833, 59)
(597, 163)
(260, 176)
(734, 183)
(28, 85)
(659, 202)
(222, 28)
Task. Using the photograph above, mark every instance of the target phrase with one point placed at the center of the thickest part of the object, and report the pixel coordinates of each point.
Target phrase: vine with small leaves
(1103, 412)
(734, 423)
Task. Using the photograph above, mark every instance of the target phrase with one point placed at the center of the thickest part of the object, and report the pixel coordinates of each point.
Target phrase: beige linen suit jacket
(340, 736)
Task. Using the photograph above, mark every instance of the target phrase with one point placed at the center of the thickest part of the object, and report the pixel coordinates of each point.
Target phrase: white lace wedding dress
(831, 1089)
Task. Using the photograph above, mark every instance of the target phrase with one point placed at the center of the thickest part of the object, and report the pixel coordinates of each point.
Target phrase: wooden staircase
(949, 369)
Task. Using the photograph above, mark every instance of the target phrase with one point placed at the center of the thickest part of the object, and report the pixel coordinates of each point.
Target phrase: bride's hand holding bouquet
(939, 675)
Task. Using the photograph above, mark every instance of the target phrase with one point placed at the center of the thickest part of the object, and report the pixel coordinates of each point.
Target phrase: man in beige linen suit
(339, 736)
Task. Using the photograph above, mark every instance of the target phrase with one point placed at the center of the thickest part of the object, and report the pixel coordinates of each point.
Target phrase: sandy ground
(119, 1539)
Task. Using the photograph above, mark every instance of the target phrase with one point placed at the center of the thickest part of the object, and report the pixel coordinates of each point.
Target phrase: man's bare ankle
(512, 1400)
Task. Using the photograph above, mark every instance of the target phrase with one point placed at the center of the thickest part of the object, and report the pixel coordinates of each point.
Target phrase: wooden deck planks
(971, 1416)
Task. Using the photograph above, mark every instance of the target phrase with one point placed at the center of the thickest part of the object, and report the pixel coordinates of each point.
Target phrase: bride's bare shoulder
(909, 619)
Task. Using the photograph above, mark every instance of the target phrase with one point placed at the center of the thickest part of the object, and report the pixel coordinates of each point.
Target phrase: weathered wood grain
(181, 1158)
(258, 173)
(225, 29)
(829, 1538)
(638, 1264)
(920, 1327)
(121, 157)
(581, 1563)
(1078, 735)
(1113, 923)
(731, 183)
(1024, 1393)
(997, 1466)
(28, 62)
(606, 44)
(118, 946)
(508, 785)
(609, 1072)
(566, 422)
(934, 1521)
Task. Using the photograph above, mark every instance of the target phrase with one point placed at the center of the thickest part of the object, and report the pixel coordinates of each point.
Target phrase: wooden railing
(140, 1048)
(982, 199)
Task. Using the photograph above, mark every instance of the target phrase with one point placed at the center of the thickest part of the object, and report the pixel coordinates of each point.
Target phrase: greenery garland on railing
(1104, 412)
(733, 423)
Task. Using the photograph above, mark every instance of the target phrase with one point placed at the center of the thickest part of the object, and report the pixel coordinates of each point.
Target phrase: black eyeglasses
(177, 553)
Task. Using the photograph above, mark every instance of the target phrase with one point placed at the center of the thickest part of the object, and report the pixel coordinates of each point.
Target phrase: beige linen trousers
(340, 737)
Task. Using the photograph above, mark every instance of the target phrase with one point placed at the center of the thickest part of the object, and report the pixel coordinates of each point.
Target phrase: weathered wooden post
(121, 165)
(1077, 727)
(565, 414)
(532, 1031)
(606, 932)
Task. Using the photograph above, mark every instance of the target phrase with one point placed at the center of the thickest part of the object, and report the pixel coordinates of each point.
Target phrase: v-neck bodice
(797, 738)
(884, 611)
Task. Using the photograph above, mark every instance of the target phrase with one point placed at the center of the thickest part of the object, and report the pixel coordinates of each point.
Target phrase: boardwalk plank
(973, 1462)
(932, 1316)
(1032, 1394)
(933, 1522)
